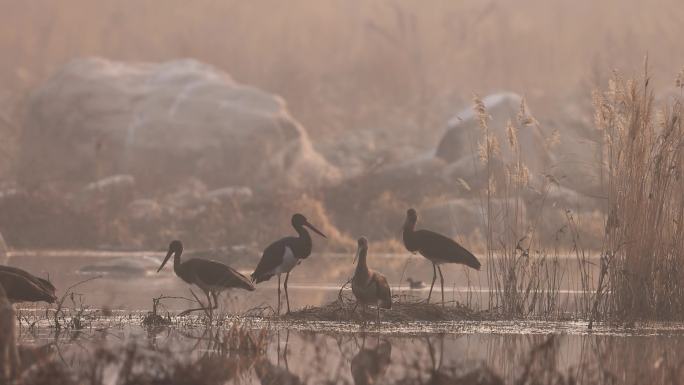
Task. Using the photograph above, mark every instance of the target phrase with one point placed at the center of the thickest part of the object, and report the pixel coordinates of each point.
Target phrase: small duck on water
(414, 285)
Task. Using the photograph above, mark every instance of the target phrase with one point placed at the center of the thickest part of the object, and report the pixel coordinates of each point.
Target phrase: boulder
(238, 194)
(578, 157)
(162, 123)
(453, 170)
(553, 218)
(112, 193)
(123, 268)
(459, 145)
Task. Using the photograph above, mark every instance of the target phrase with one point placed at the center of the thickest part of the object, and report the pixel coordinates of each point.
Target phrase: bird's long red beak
(315, 230)
(168, 255)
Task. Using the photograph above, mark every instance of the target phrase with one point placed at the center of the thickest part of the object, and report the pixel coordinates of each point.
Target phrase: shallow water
(316, 281)
(319, 352)
(338, 352)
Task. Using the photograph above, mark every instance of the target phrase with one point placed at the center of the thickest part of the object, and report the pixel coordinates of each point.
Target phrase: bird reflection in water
(370, 364)
(270, 374)
(226, 356)
(439, 376)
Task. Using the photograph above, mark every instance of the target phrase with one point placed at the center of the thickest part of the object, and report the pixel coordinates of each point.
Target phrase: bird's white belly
(288, 263)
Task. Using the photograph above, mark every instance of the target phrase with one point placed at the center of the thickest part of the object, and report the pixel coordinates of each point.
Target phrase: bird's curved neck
(409, 229)
(361, 266)
(176, 260)
(303, 234)
(304, 243)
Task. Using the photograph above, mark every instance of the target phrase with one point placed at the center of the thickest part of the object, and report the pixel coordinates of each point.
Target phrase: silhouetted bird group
(369, 287)
(280, 257)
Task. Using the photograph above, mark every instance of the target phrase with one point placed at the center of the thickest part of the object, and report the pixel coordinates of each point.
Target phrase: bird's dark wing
(442, 249)
(44, 284)
(384, 293)
(270, 259)
(216, 274)
(21, 289)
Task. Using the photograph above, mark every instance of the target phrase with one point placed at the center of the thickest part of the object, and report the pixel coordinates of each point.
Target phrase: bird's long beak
(315, 230)
(168, 255)
(356, 255)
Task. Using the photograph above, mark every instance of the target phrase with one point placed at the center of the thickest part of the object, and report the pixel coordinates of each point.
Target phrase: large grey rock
(579, 161)
(161, 123)
(459, 145)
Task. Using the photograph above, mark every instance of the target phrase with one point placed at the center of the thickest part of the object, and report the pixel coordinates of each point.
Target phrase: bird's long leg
(363, 314)
(287, 340)
(278, 351)
(209, 309)
(354, 308)
(287, 297)
(441, 280)
(434, 278)
(377, 319)
(278, 294)
(204, 308)
(215, 295)
(184, 312)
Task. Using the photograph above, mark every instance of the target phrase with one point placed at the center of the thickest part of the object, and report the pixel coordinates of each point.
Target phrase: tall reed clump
(524, 278)
(643, 256)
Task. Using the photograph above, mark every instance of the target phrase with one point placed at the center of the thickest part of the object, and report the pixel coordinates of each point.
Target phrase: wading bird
(435, 247)
(369, 287)
(22, 286)
(283, 255)
(210, 276)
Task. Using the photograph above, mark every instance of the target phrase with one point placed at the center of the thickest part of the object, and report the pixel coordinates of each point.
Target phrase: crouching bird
(210, 276)
(437, 248)
(369, 287)
(22, 286)
(284, 254)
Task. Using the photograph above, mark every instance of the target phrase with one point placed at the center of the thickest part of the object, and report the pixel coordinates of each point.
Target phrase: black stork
(435, 247)
(210, 276)
(22, 286)
(369, 287)
(284, 254)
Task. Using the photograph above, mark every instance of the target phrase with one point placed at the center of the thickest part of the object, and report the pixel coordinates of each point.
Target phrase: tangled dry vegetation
(641, 264)
(403, 310)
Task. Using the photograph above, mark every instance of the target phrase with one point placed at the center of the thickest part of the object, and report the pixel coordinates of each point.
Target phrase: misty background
(127, 124)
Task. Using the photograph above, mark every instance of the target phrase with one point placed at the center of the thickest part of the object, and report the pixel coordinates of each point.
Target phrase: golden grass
(522, 270)
(644, 245)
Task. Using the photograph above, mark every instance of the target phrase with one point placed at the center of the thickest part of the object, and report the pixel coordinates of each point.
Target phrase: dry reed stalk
(9, 357)
(523, 282)
(645, 223)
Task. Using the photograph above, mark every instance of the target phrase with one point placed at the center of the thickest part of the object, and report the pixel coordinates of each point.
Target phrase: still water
(336, 352)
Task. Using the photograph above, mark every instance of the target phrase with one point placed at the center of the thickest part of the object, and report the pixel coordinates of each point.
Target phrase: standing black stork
(435, 247)
(22, 286)
(369, 287)
(284, 254)
(210, 276)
